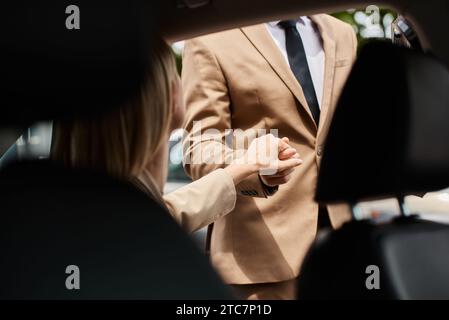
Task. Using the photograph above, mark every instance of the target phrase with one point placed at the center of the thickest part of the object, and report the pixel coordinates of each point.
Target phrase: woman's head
(123, 141)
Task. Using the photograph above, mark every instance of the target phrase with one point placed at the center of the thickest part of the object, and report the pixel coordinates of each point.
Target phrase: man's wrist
(268, 190)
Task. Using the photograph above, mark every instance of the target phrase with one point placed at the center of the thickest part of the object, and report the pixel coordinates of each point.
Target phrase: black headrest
(49, 71)
(125, 245)
(390, 132)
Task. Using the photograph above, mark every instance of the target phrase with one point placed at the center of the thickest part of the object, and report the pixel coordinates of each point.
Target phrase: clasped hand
(272, 158)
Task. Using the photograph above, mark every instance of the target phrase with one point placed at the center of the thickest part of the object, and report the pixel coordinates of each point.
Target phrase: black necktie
(298, 63)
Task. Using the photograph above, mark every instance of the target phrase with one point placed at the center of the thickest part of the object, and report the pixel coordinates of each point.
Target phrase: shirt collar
(301, 19)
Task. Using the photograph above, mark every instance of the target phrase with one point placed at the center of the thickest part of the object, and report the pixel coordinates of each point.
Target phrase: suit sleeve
(203, 201)
(208, 118)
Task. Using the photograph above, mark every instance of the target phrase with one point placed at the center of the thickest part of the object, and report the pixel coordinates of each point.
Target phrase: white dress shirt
(313, 47)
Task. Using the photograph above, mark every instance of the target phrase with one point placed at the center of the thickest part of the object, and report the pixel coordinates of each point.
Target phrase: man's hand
(282, 176)
(273, 158)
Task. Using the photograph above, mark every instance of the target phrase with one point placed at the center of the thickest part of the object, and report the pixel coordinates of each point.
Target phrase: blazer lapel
(327, 107)
(259, 36)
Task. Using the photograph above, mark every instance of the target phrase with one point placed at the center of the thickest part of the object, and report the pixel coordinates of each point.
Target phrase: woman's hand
(273, 158)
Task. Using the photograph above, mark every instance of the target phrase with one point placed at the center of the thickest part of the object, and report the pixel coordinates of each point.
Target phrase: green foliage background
(348, 16)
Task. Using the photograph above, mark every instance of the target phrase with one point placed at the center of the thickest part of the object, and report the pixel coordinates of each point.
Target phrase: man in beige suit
(283, 75)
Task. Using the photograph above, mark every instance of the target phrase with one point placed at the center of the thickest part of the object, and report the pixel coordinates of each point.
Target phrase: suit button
(319, 151)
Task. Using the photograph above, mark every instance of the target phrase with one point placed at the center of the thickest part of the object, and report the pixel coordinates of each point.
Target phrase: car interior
(129, 245)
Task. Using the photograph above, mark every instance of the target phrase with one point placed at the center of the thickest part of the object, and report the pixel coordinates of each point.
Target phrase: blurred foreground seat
(124, 244)
(389, 138)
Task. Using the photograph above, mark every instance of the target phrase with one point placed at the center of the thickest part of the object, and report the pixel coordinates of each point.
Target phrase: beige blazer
(239, 79)
(197, 204)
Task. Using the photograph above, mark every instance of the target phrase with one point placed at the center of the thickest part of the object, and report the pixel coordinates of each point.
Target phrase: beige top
(199, 203)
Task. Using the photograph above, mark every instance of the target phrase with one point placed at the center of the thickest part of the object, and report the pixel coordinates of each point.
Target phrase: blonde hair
(122, 141)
